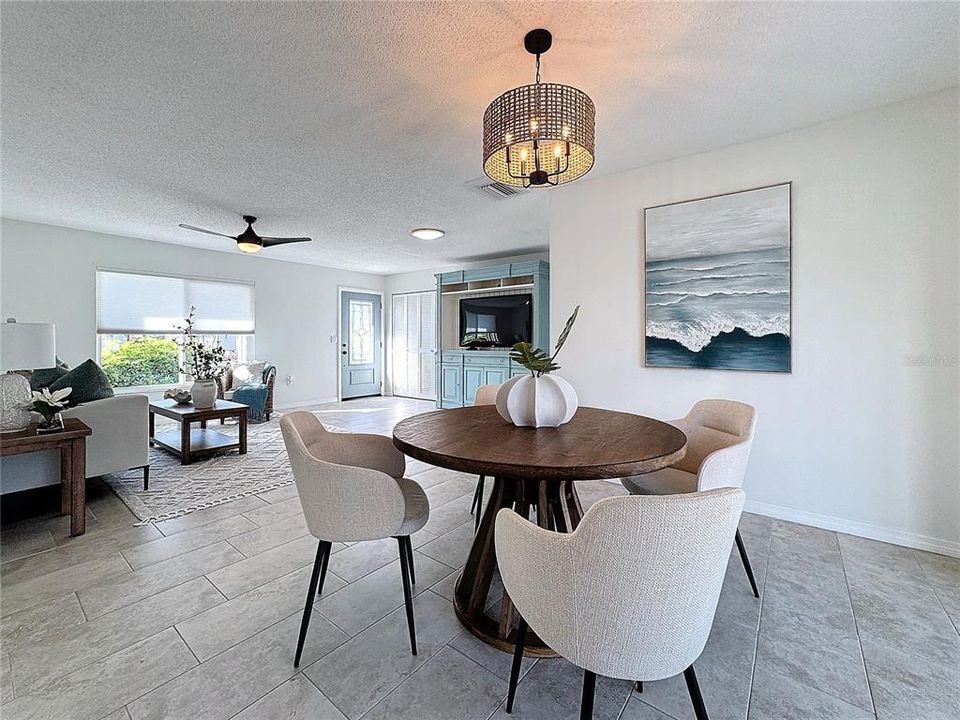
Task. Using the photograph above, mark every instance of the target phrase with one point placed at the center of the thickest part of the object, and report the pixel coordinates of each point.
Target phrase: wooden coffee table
(190, 443)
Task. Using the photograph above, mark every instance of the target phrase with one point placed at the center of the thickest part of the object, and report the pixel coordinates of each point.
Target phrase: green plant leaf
(566, 330)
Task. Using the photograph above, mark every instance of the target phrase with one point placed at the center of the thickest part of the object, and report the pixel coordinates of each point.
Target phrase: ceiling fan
(248, 240)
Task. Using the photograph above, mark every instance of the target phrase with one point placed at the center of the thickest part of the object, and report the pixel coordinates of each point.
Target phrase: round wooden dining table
(535, 473)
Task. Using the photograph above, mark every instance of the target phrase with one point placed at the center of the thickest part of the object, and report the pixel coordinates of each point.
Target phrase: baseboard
(854, 527)
(306, 403)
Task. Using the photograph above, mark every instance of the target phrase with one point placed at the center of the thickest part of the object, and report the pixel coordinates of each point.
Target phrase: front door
(360, 344)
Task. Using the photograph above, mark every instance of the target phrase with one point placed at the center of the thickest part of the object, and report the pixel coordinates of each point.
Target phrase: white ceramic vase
(204, 393)
(545, 401)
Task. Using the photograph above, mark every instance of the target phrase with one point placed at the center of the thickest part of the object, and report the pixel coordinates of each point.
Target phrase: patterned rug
(177, 489)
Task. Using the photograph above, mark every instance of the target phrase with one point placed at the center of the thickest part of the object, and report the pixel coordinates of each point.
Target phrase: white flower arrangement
(50, 403)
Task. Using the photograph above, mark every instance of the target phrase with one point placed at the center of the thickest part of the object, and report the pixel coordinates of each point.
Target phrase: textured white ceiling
(356, 122)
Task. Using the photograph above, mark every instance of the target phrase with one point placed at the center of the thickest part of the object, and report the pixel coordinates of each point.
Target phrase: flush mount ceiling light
(427, 233)
(538, 135)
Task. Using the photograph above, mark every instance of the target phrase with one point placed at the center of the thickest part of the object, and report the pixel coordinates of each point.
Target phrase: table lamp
(23, 346)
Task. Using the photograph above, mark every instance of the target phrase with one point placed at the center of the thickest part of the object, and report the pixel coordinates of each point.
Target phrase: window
(137, 317)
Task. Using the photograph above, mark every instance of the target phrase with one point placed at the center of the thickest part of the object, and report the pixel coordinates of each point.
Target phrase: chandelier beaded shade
(539, 135)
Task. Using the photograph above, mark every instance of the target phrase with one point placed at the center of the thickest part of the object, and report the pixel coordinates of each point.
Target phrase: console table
(72, 444)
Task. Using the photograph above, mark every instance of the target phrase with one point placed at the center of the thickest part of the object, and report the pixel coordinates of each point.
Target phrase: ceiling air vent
(496, 190)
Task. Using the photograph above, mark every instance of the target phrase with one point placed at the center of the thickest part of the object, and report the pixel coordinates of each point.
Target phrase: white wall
(296, 304)
(863, 435)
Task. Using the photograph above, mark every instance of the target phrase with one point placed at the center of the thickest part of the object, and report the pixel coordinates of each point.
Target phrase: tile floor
(196, 618)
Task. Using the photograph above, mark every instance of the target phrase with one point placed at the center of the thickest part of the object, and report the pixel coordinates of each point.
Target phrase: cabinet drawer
(481, 358)
(451, 358)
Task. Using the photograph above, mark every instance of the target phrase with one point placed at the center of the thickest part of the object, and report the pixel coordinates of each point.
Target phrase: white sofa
(119, 442)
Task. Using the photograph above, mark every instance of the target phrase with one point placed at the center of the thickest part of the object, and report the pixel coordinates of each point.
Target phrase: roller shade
(135, 303)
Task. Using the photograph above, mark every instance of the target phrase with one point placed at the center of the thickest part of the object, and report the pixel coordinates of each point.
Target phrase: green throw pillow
(46, 377)
(88, 381)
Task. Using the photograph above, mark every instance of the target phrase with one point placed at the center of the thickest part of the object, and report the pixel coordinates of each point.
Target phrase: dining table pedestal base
(553, 505)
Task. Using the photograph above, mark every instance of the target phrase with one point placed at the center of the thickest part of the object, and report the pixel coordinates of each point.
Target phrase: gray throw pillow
(89, 383)
(45, 377)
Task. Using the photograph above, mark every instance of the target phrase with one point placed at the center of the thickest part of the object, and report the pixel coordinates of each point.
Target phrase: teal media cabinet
(461, 371)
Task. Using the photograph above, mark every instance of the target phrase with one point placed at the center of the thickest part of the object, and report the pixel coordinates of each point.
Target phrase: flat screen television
(498, 321)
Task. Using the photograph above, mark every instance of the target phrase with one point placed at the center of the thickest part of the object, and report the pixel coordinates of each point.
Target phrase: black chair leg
(746, 563)
(477, 503)
(693, 687)
(408, 546)
(586, 700)
(638, 686)
(146, 477)
(316, 578)
(517, 661)
(407, 593)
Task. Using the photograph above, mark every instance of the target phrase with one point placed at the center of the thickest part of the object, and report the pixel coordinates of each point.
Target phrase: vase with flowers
(539, 399)
(203, 362)
(50, 405)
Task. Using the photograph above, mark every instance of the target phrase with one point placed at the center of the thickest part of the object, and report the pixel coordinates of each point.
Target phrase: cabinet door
(516, 371)
(450, 385)
(472, 379)
(494, 376)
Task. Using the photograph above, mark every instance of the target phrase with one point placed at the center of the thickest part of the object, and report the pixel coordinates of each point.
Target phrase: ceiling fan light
(249, 247)
(427, 233)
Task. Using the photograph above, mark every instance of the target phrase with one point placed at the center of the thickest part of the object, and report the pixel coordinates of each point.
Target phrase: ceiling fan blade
(271, 241)
(208, 232)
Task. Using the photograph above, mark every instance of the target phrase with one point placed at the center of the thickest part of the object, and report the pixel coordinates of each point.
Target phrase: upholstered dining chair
(630, 594)
(719, 437)
(351, 488)
(486, 395)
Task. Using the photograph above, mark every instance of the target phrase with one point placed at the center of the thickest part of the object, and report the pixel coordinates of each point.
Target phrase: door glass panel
(361, 332)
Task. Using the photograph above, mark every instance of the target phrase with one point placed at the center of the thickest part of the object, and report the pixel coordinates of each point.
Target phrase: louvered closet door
(413, 339)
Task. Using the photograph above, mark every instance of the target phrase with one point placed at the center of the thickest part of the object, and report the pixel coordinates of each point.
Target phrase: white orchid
(54, 400)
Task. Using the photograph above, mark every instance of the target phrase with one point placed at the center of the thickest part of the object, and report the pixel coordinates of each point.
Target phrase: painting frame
(787, 354)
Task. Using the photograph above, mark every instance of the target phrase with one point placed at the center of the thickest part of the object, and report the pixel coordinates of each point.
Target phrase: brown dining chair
(486, 395)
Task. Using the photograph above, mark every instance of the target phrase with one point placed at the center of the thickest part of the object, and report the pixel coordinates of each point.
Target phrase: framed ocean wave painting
(717, 282)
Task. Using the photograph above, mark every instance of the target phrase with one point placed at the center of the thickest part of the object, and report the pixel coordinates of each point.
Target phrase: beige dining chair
(719, 437)
(351, 488)
(486, 395)
(630, 594)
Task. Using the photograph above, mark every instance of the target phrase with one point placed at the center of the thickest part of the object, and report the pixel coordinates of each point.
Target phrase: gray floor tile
(233, 680)
(910, 686)
(6, 680)
(41, 663)
(941, 571)
(452, 548)
(737, 601)
(365, 601)
(210, 633)
(33, 624)
(426, 694)
(801, 651)
(906, 616)
(431, 476)
(104, 686)
(25, 541)
(552, 691)
(776, 697)
(496, 661)
(447, 586)
(363, 558)
(452, 515)
(276, 512)
(279, 494)
(442, 493)
(724, 671)
(637, 709)
(360, 673)
(270, 536)
(167, 547)
(209, 515)
(22, 595)
(249, 573)
(131, 587)
(869, 557)
(296, 699)
(120, 714)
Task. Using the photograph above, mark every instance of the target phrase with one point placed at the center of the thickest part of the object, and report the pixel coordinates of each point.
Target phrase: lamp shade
(27, 346)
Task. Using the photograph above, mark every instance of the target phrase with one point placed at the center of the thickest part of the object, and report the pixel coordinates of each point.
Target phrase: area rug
(177, 489)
